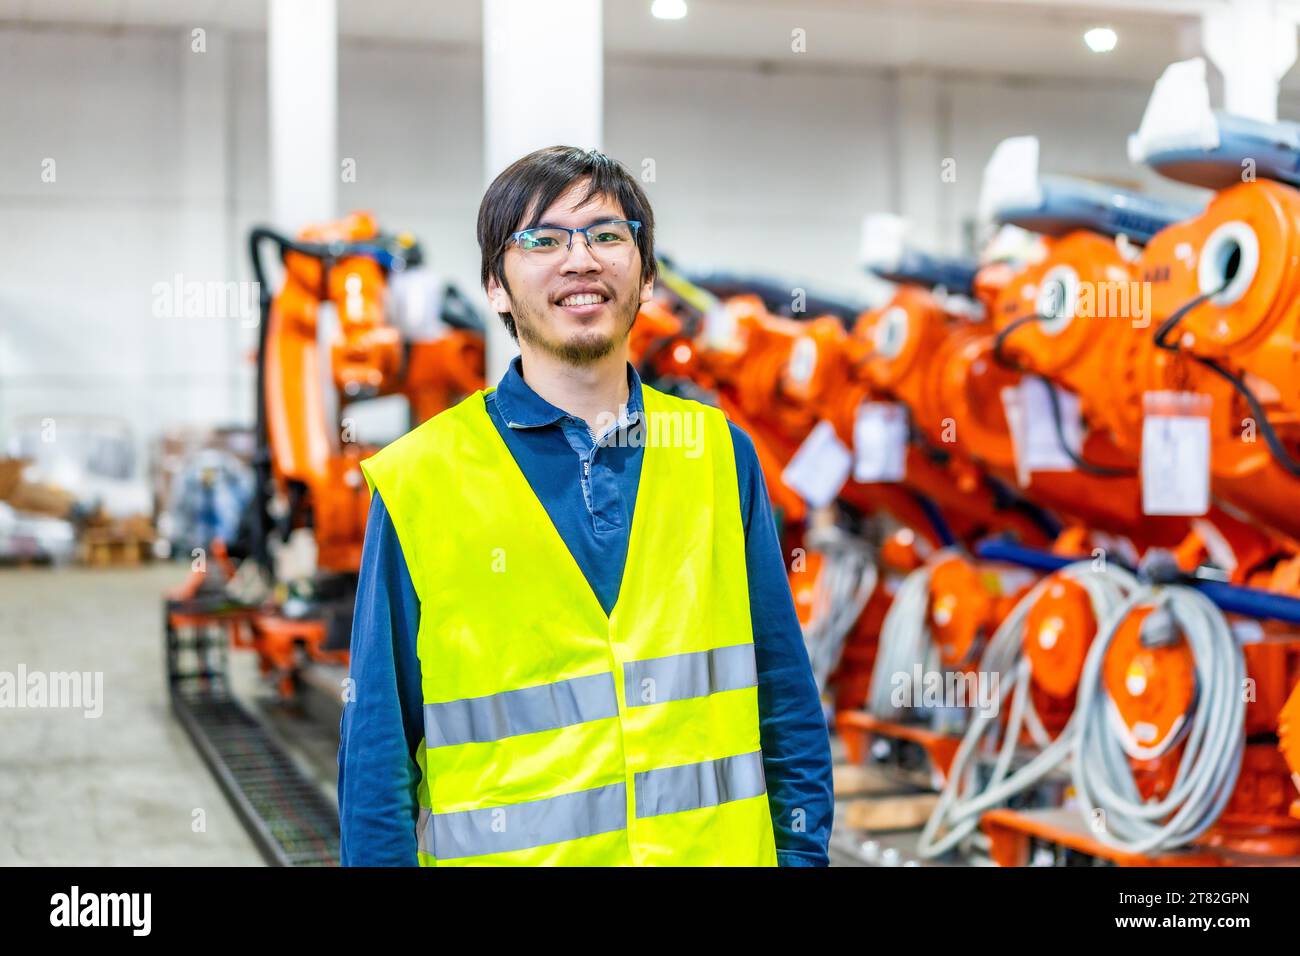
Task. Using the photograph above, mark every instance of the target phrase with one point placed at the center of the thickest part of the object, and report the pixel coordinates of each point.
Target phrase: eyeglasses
(608, 240)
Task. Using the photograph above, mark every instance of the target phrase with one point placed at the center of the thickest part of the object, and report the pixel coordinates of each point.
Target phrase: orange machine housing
(1102, 349)
(1059, 630)
(1247, 244)
(946, 395)
(1288, 733)
(779, 378)
(939, 365)
(1077, 319)
(1152, 688)
(329, 343)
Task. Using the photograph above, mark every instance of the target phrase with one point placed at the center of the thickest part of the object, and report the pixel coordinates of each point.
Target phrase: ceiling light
(1100, 39)
(668, 9)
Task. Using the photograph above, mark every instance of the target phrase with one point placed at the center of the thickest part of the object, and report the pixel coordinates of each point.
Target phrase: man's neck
(594, 393)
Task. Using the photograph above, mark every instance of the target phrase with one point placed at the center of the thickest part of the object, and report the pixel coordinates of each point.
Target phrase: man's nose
(580, 260)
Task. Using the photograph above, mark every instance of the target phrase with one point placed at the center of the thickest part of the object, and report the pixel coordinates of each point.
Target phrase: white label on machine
(720, 329)
(1015, 425)
(1034, 433)
(880, 442)
(1175, 453)
(1043, 451)
(415, 302)
(820, 467)
(803, 360)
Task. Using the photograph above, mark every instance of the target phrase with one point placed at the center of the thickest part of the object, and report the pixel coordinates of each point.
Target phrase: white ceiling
(1038, 38)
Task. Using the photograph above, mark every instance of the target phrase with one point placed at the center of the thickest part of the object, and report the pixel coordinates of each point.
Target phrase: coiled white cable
(904, 641)
(1214, 746)
(848, 577)
(964, 798)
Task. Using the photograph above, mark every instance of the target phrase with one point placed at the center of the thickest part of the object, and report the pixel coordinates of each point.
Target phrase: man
(574, 640)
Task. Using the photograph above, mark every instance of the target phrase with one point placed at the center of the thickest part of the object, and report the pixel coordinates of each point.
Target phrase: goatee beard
(579, 351)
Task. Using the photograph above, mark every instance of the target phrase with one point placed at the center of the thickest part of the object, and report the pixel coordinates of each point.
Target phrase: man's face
(541, 289)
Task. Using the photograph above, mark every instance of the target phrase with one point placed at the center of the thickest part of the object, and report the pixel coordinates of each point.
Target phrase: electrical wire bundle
(1215, 741)
(904, 641)
(847, 579)
(966, 794)
(1276, 446)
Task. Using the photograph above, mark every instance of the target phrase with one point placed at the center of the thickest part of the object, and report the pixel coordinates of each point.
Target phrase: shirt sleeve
(382, 723)
(792, 725)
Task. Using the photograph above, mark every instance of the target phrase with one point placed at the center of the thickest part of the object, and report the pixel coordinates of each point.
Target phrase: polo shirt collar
(521, 407)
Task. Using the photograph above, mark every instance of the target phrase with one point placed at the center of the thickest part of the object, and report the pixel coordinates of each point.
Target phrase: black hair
(528, 186)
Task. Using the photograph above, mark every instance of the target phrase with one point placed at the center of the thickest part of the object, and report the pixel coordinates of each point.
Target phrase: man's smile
(582, 303)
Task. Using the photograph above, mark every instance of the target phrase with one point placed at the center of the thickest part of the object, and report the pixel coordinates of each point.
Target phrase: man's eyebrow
(596, 221)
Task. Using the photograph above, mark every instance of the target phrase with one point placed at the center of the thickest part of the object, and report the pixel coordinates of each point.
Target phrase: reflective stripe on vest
(556, 733)
(707, 784)
(520, 826)
(698, 674)
(588, 812)
(527, 710)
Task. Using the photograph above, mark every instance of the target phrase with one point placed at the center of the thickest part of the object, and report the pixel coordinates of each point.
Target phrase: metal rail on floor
(292, 822)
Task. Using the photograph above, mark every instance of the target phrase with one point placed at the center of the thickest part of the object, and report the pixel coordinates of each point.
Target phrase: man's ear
(497, 296)
(648, 289)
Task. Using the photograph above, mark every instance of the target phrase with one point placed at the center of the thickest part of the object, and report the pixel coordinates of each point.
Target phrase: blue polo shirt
(588, 486)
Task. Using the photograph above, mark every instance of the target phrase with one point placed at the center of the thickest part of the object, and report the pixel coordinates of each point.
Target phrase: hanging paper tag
(820, 467)
(721, 330)
(1016, 425)
(1034, 434)
(803, 361)
(1043, 449)
(880, 442)
(1176, 453)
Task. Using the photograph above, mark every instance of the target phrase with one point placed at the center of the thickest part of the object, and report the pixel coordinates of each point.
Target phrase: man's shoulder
(657, 402)
(743, 444)
(749, 471)
(744, 451)
(443, 426)
(439, 436)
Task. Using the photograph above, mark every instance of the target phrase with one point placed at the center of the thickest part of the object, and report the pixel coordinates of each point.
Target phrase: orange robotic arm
(325, 341)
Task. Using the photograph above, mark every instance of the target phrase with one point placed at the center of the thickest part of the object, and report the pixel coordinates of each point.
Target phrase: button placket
(579, 439)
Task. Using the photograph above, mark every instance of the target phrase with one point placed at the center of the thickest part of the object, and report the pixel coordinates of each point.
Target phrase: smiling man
(574, 641)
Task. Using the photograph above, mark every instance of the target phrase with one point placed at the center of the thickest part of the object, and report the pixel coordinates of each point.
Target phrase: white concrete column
(302, 74)
(542, 86)
(1253, 44)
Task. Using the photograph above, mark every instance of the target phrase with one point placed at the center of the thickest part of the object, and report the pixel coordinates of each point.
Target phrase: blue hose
(1231, 598)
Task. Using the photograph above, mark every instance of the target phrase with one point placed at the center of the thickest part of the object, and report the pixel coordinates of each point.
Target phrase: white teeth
(586, 298)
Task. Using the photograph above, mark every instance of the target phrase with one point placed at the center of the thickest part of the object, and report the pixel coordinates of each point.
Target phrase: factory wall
(757, 169)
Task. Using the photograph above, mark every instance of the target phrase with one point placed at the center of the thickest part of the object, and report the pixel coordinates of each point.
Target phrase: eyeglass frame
(513, 240)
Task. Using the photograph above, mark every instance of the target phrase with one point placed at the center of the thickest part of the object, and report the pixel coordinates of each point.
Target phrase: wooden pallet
(895, 812)
(856, 780)
(104, 547)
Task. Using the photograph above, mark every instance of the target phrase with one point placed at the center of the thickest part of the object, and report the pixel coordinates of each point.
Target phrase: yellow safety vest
(555, 734)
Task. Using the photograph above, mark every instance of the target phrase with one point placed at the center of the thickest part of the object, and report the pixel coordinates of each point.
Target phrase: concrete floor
(122, 789)
(116, 790)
